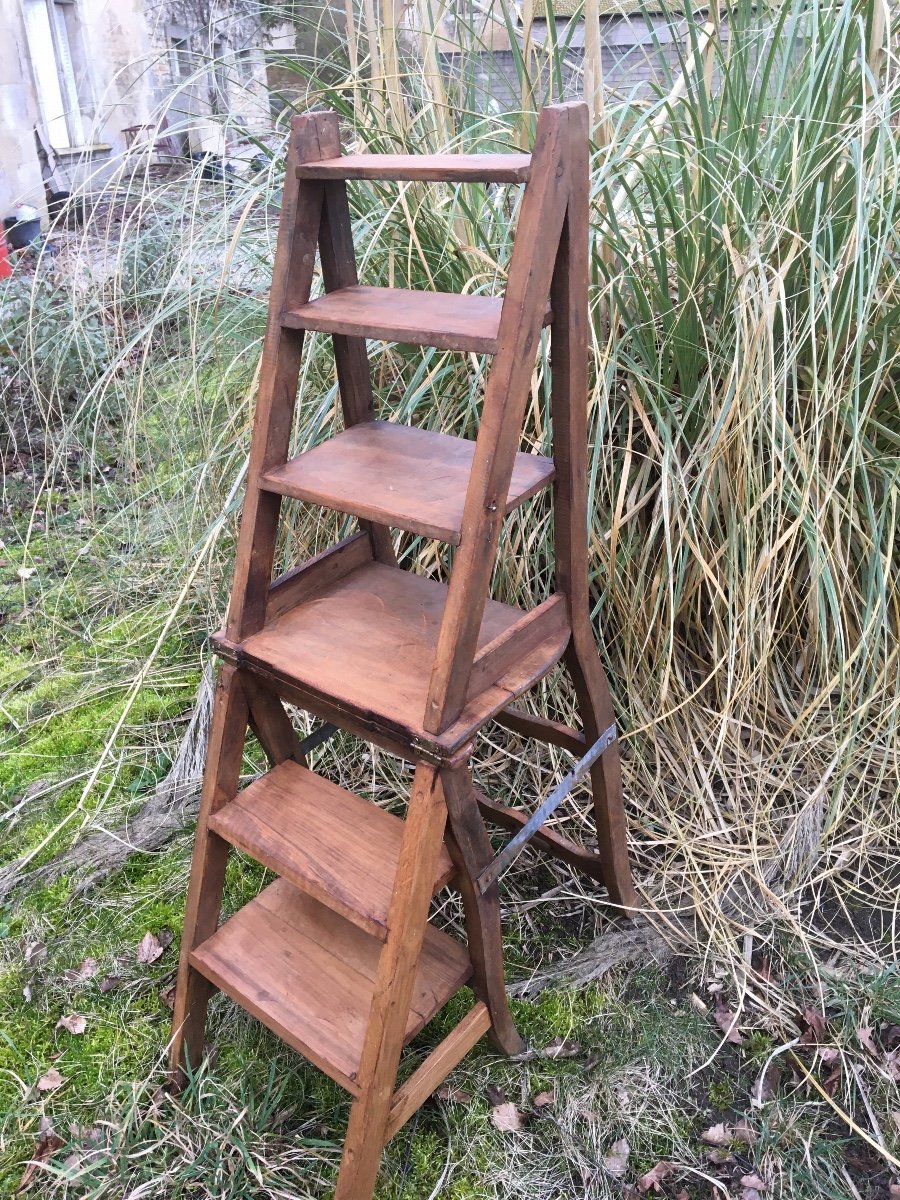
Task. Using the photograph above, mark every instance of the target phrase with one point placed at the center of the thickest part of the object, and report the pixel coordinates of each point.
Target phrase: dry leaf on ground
(457, 1095)
(561, 1048)
(544, 1099)
(47, 1144)
(74, 1022)
(654, 1177)
(506, 1117)
(727, 1022)
(616, 1162)
(150, 949)
(85, 969)
(50, 1081)
(717, 1135)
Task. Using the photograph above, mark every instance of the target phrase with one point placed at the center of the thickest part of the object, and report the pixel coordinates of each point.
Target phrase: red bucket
(5, 268)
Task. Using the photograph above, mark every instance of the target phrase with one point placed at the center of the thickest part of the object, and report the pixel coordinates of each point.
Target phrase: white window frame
(53, 71)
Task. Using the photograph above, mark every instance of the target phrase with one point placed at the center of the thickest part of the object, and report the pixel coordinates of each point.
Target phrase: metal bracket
(515, 845)
(316, 738)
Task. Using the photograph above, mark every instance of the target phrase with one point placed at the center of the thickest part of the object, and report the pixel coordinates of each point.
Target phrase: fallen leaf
(864, 1033)
(35, 953)
(495, 1095)
(85, 969)
(544, 1100)
(47, 1144)
(150, 949)
(616, 1162)
(108, 982)
(744, 1133)
(766, 1085)
(50, 1081)
(753, 1181)
(456, 1095)
(506, 1117)
(894, 1191)
(26, 572)
(167, 995)
(895, 1117)
(717, 1135)
(165, 937)
(74, 1022)
(561, 1048)
(829, 1055)
(727, 1022)
(750, 1194)
(815, 1026)
(654, 1177)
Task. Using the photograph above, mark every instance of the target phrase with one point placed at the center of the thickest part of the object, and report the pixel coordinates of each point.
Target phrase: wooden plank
(407, 920)
(400, 476)
(553, 732)
(548, 622)
(340, 849)
(314, 135)
(511, 819)
(270, 723)
(471, 851)
(524, 307)
(412, 1094)
(309, 975)
(351, 359)
(317, 575)
(437, 168)
(220, 781)
(447, 320)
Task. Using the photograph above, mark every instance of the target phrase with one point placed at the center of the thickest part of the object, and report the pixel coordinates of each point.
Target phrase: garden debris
(48, 1142)
(506, 1117)
(85, 970)
(51, 1081)
(616, 1161)
(453, 1094)
(74, 1023)
(655, 1177)
(638, 942)
(727, 1022)
(544, 1100)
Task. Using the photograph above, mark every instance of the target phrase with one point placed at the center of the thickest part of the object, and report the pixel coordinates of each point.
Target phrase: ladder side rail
(351, 358)
(569, 381)
(313, 136)
(423, 837)
(537, 235)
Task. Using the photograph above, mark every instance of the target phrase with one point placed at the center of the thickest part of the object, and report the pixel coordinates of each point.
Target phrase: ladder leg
(407, 915)
(470, 849)
(594, 701)
(272, 726)
(220, 781)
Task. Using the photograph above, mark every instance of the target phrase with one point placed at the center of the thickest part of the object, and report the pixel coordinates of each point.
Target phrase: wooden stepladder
(337, 956)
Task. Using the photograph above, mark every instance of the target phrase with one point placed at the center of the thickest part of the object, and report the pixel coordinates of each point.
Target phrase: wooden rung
(438, 168)
(309, 975)
(553, 843)
(328, 842)
(398, 475)
(448, 320)
(437, 1066)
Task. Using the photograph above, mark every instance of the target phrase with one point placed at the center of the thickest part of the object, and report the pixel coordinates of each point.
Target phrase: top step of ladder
(439, 168)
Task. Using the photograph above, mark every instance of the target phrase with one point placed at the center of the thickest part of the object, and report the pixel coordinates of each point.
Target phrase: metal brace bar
(317, 737)
(515, 845)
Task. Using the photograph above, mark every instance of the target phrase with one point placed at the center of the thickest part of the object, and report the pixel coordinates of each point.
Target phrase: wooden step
(326, 841)
(448, 320)
(447, 168)
(309, 975)
(360, 649)
(397, 475)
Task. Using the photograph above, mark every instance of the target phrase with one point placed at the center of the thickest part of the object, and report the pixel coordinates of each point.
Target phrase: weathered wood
(317, 575)
(513, 820)
(524, 307)
(340, 849)
(310, 976)
(270, 723)
(438, 168)
(546, 623)
(407, 920)
(444, 319)
(437, 1066)
(553, 732)
(351, 357)
(312, 136)
(204, 899)
(470, 849)
(414, 479)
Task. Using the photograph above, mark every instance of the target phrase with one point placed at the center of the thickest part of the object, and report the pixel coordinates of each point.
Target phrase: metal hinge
(426, 752)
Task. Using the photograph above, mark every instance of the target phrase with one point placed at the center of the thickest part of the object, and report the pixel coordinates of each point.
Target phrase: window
(50, 29)
(180, 58)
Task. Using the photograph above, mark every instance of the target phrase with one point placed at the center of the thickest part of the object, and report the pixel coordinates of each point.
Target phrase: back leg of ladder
(595, 704)
(470, 849)
(272, 726)
(220, 781)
